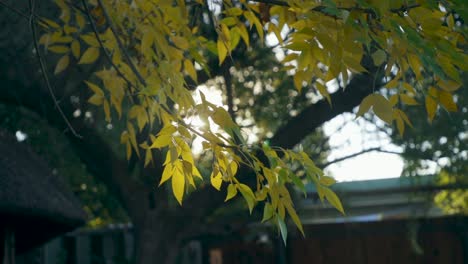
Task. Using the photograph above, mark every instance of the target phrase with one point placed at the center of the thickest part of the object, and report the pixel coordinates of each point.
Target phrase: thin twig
(21, 13)
(32, 24)
(403, 8)
(106, 53)
(326, 164)
(121, 46)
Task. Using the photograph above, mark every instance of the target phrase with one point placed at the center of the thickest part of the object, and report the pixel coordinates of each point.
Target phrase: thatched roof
(34, 202)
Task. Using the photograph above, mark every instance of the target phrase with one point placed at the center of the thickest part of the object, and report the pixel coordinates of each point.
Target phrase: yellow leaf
(62, 64)
(327, 180)
(75, 48)
(64, 39)
(244, 34)
(216, 180)
(95, 88)
(222, 118)
(399, 122)
(180, 42)
(353, 64)
(90, 39)
(235, 38)
(161, 141)
(51, 23)
(384, 111)
(44, 40)
(232, 168)
(231, 192)
(196, 173)
(222, 51)
(178, 185)
(148, 157)
(413, 61)
(299, 79)
(167, 173)
(107, 111)
(323, 91)
(225, 34)
(294, 217)
(132, 137)
(69, 29)
(449, 86)
(233, 11)
(393, 99)
(409, 88)
(96, 99)
(333, 199)
(408, 100)
(89, 56)
(273, 28)
(381, 106)
(379, 57)
(449, 69)
(80, 20)
(365, 105)
(59, 49)
(431, 107)
(404, 117)
(190, 69)
(147, 41)
(446, 100)
(167, 130)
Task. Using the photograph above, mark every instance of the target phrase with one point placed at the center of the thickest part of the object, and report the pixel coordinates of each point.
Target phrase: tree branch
(32, 24)
(326, 164)
(315, 115)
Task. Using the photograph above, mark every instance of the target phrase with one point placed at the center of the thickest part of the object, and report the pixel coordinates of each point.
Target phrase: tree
(141, 61)
(441, 148)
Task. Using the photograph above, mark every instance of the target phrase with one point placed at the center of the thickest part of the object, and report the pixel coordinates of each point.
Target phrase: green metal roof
(380, 184)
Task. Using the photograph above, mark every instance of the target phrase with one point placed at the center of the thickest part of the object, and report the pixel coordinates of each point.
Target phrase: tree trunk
(157, 238)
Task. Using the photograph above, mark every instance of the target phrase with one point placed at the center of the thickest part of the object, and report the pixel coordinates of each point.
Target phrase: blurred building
(35, 206)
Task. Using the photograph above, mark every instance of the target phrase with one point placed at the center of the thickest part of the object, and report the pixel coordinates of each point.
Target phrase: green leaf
(248, 196)
(231, 192)
(379, 57)
(267, 212)
(381, 106)
(365, 105)
(383, 109)
(283, 229)
(298, 182)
